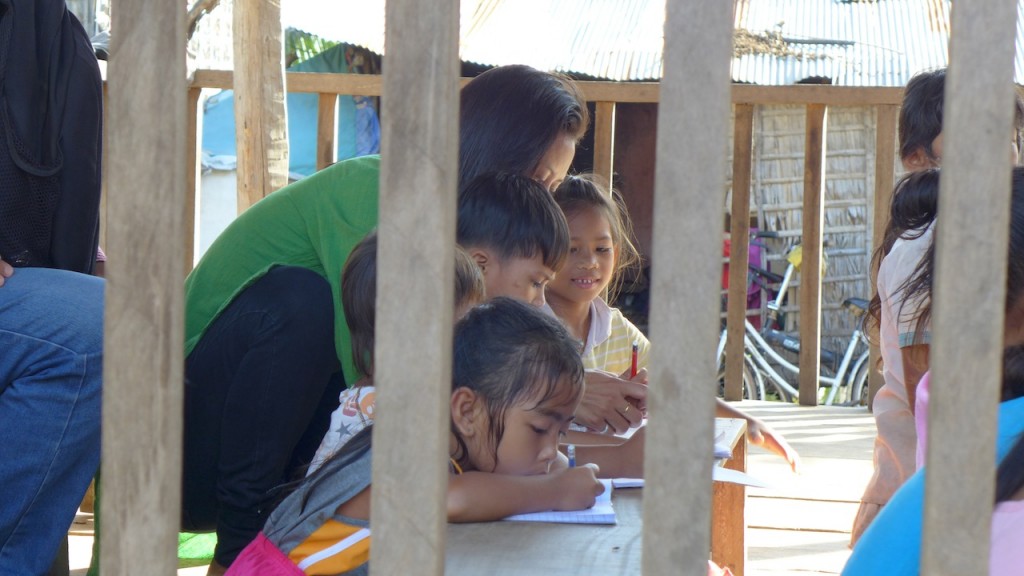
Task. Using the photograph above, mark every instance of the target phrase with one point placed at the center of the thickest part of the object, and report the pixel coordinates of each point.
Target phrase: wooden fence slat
(969, 289)
(261, 119)
(419, 178)
(688, 244)
(739, 238)
(594, 91)
(326, 130)
(143, 363)
(810, 270)
(193, 170)
(604, 140)
(885, 159)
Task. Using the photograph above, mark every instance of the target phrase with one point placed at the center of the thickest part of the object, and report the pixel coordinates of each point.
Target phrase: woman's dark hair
(581, 192)
(1010, 474)
(913, 207)
(507, 353)
(511, 115)
(514, 216)
(918, 287)
(359, 295)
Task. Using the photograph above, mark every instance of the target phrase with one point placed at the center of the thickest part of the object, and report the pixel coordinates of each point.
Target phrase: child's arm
(483, 496)
(623, 460)
(915, 364)
(760, 434)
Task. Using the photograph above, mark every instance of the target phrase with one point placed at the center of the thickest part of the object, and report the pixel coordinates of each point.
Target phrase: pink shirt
(921, 417)
(1007, 554)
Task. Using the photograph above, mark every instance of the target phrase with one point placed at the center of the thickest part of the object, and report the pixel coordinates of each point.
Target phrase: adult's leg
(254, 384)
(51, 342)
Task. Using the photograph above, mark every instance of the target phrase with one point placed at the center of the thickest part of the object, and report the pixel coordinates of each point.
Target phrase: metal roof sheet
(866, 43)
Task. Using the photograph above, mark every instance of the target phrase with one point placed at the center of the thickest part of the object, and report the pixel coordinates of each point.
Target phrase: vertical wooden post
(810, 270)
(143, 364)
(193, 168)
(739, 237)
(326, 131)
(688, 213)
(417, 222)
(885, 159)
(969, 290)
(604, 140)
(261, 118)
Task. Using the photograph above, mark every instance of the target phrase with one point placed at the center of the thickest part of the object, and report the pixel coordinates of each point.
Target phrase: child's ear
(917, 160)
(465, 405)
(481, 257)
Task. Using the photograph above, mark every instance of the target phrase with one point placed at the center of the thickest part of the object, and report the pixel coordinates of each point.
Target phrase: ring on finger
(626, 409)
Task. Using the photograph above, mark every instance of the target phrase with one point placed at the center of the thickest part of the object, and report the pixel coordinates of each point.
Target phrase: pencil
(570, 450)
(632, 366)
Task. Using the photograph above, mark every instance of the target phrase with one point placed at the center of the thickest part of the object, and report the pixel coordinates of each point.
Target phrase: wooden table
(499, 548)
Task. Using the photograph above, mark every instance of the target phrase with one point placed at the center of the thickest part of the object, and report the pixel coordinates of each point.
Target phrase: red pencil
(632, 366)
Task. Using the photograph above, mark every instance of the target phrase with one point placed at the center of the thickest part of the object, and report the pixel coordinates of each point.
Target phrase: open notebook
(600, 513)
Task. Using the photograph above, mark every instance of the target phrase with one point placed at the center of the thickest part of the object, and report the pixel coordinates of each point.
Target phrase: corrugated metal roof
(867, 43)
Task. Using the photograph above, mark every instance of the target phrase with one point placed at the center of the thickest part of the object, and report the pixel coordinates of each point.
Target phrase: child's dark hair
(918, 287)
(511, 115)
(514, 216)
(359, 295)
(577, 193)
(1010, 475)
(508, 352)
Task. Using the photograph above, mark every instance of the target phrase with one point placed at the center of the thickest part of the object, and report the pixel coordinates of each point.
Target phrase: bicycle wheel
(859, 393)
(753, 385)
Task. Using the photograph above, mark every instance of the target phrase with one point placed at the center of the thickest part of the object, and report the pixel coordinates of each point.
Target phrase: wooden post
(326, 130)
(604, 140)
(688, 248)
(261, 118)
(739, 238)
(810, 270)
(143, 363)
(969, 289)
(885, 159)
(419, 178)
(193, 169)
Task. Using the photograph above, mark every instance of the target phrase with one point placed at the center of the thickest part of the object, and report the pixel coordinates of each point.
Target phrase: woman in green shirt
(267, 348)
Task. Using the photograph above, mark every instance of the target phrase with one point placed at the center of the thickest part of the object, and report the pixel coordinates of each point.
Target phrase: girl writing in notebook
(516, 382)
(600, 248)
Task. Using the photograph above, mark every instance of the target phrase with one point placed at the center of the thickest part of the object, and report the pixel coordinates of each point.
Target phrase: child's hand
(578, 487)
(760, 434)
(611, 404)
(5, 271)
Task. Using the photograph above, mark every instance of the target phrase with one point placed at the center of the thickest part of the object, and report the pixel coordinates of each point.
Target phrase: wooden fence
(152, 133)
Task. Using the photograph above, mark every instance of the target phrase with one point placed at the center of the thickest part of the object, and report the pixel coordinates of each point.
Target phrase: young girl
(358, 298)
(892, 543)
(516, 382)
(600, 248)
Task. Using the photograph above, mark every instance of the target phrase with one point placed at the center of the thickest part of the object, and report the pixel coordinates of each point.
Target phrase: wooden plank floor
(801, 526)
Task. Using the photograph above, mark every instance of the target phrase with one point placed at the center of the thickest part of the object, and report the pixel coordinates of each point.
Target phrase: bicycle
(843, 375)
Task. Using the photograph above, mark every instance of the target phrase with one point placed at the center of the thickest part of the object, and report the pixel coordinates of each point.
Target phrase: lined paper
(600, 513)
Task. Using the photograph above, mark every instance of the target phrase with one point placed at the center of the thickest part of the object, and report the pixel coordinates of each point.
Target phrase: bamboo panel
(969, 289)
(143, 364)
(739, 234)
(419, 152)
(688, 241)
(810, 272)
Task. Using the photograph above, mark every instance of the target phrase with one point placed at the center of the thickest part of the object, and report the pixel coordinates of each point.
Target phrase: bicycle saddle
(856, 306)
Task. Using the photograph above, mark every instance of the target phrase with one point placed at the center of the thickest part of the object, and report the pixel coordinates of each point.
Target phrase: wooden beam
(969, 289)
(261, 119)
(595, 91)
(739, 238)
(193, 170)
(419, 153)
(143, 364)
(810, 271)
(885, 162)
(604, 140)
(326, 130)
(687, 226)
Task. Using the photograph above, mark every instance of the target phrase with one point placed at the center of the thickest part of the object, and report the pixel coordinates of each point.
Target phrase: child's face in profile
(532, 431)
(521, 278)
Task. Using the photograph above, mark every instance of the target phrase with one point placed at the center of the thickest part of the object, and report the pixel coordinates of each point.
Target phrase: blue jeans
(51, 353)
